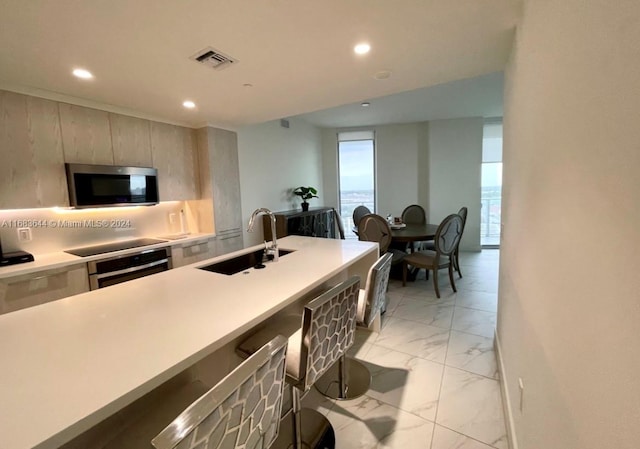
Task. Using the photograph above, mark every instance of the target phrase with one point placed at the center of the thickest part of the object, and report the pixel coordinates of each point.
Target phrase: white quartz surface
(62, 259)
(70, 363)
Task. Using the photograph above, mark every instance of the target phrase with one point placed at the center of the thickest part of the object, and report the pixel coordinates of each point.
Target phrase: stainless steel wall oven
(114, 270)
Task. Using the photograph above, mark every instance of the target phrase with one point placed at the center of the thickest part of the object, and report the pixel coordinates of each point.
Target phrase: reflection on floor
(433, 366)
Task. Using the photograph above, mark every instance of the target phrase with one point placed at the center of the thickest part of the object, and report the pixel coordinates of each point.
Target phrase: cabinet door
(192, 252)
(302, 225)
(22, 291)
(86, 135)
(32, 168)
(229, 243)
(324, 225)
(225, 180)
(173, 153)
(131, 139)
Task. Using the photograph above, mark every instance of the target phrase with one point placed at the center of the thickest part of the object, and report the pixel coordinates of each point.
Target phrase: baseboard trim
(506, 400)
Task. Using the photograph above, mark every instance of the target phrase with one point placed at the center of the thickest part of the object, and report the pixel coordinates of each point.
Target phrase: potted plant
(306, 193)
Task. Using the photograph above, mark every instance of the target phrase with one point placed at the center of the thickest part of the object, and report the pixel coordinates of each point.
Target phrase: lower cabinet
(192, 252)
(27, 290)
(228, 242)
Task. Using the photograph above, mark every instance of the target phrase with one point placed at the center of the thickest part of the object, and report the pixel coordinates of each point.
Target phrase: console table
(316, 222)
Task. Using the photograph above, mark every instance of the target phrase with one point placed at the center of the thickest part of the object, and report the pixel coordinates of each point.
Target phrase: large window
(356, 171)
(491, 195)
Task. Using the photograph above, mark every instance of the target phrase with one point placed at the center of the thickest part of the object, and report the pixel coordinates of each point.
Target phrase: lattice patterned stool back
(328, 329)
(374, 296)
(241, 411)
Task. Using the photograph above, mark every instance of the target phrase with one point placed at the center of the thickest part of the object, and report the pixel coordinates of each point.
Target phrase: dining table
(411, 233)
(406, 236)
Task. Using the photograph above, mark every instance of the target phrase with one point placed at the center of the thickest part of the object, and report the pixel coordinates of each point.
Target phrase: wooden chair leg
(453, 284)
(404, 274)
(456, 258)
(435, 282)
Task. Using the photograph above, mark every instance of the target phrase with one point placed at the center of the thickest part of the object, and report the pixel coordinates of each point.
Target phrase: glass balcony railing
(490, 221)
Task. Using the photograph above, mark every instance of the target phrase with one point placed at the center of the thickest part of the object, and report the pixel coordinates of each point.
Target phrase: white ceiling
(297, 54)
(480, 96)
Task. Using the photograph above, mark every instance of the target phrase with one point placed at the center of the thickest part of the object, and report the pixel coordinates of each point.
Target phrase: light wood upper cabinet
(225, 178)
(219, 208)
(131, 139)
(173, 150)
(86, 135)
(38, 136)
(32, 168)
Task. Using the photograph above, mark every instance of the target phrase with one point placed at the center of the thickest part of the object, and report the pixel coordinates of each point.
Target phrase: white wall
(455, 158)
(329, 144)
(569, 298)
(273, 161)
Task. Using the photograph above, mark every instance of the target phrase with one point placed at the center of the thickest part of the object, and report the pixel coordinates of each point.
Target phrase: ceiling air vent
(213, 58)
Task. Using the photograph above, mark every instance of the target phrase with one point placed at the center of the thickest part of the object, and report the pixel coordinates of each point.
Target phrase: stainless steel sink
(241, 262)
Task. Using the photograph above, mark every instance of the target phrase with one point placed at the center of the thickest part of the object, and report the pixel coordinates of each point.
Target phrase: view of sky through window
(357, 180)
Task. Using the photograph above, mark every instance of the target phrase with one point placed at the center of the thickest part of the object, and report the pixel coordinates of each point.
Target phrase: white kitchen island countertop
(69, 364)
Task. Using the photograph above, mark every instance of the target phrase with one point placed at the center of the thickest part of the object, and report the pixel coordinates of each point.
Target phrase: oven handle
(129, 270)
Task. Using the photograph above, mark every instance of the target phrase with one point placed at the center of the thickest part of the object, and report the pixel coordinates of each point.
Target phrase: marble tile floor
(435, 380)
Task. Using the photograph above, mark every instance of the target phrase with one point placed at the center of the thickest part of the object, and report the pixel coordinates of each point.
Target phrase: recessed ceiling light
(365, 104)
(82, 73)
(382, 75)
(362, 49)
(189, 104)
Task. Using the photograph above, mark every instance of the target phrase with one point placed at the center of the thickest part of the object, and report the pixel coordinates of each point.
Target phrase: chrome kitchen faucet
(269, 250)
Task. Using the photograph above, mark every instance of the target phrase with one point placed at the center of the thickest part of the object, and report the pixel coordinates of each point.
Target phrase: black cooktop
(110, 247)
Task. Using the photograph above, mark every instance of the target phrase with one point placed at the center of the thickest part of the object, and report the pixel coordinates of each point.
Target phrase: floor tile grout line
(466, 436)
(440, 391)
(412, 355)
(444, 364)
(469, 333)
(336, 402)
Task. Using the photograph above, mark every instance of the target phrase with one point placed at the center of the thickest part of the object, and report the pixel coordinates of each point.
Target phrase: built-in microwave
(109, 185)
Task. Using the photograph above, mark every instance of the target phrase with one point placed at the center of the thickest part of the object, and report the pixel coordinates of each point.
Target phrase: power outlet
(24, 234)
(521, 388)
(172, 218)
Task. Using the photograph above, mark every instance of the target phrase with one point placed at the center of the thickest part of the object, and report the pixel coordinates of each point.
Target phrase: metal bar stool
(349, 378)
(327, 331)
(241, 411)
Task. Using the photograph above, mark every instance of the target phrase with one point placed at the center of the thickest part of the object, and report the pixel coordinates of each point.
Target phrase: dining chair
(318, 339)
(350, 378)
(241, 411)
(414, 214)
(446, 240)
(456, 254)
(374, 228)
(358, 213)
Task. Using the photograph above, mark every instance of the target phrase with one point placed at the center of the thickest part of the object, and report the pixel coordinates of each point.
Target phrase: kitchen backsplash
(55, 230)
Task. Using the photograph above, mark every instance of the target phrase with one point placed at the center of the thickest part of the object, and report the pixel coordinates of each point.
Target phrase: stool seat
(289, 327)
(140, 433)
(241, 411)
